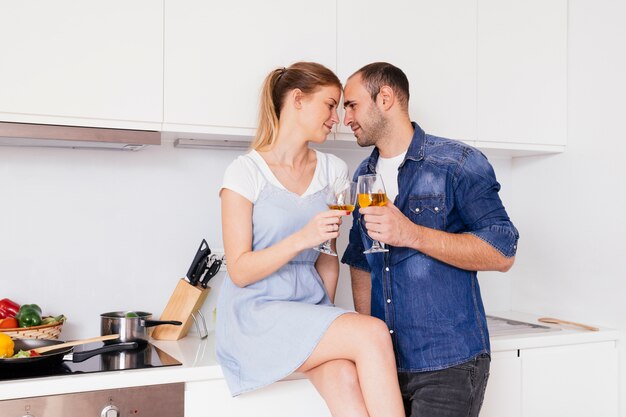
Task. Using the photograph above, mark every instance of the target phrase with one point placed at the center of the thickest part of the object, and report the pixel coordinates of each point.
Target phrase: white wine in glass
(372, 192)
(341, 196)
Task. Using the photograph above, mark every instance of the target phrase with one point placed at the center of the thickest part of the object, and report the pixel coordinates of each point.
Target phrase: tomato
(9, 323)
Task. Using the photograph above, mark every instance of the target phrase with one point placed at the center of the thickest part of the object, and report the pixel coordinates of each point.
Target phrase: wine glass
(340, 196)
(372, 193)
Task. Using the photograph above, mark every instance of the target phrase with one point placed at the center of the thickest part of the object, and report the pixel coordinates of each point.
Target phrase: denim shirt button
(388, 300)
(391, 331)
(417, 210)
(436, 208)
(387, 269)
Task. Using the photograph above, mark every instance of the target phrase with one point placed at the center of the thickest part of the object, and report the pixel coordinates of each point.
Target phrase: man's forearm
(361, 290)
(462, 250)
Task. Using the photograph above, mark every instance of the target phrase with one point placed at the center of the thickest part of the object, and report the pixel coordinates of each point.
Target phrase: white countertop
(567, 335)
(199, 362)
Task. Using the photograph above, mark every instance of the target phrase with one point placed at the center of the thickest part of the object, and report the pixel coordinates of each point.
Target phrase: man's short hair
(378, 74)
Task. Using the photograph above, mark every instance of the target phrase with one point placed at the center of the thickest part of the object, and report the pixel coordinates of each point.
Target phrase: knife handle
(213, 270)
(196, 268)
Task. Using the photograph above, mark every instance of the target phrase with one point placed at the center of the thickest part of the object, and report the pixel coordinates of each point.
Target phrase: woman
(275, 314)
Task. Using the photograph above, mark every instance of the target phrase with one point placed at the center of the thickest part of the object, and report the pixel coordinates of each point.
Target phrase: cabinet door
(522, 71)
(82, 63)
(282, 399)
(574, 381)
(433, 42)
(502, 398)
(217, 55)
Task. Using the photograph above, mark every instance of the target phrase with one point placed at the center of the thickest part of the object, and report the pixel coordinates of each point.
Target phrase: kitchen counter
(565, 335)
(199, 362)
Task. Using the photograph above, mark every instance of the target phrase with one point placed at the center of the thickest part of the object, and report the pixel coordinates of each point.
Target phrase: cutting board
(184, 301)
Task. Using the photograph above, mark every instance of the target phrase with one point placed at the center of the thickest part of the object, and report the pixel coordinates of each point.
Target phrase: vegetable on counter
(8, 308)
(12, 316)
(52, 320)
(6, 346)
(9, 323)
(26, 354)
(29, 315)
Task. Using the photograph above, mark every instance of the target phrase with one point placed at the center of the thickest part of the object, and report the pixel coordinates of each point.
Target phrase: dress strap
(327, 169)
(328, 181)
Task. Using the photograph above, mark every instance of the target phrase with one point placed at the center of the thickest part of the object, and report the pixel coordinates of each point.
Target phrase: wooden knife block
(185, 300)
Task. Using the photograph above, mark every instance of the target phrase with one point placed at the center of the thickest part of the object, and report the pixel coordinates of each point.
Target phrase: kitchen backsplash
(84, 232)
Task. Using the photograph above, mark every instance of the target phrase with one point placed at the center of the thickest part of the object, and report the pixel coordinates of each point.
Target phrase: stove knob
(110, 411)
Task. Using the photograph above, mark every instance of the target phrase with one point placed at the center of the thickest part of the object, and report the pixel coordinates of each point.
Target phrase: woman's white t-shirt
(244, 174)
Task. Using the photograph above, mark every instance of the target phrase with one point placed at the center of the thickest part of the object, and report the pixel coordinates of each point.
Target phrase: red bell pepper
(8, 308)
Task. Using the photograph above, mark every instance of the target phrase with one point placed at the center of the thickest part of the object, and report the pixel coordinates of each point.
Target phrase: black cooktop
(147, 356)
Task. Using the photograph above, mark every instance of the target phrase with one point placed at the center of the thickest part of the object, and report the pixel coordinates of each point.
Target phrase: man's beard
(375, 128)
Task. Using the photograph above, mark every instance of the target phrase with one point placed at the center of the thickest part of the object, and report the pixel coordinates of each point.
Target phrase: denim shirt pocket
(428, 211)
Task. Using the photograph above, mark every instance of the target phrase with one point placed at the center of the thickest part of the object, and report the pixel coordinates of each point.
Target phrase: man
(443, 222)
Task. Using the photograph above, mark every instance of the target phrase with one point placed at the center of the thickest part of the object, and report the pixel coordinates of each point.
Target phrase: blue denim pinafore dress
(265, 331)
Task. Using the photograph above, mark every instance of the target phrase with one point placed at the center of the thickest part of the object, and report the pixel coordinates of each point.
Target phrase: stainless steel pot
(132, 326)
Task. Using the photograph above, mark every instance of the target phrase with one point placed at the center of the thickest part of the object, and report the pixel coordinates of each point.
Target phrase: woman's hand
(322, 227)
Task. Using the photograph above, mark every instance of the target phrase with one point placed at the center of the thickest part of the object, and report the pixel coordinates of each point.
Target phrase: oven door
(166, 400)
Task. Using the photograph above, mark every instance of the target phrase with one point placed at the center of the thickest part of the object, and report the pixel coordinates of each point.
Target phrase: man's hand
(387, 224)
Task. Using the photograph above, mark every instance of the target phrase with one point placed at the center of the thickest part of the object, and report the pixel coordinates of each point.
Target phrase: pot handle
(117, 347)
(152, 323)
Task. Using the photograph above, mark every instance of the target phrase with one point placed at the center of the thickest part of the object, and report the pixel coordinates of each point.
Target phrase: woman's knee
(344, 373)
(378, 333)
(334, 376)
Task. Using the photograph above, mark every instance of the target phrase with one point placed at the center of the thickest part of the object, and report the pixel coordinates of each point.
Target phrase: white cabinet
(502, 398)
(578, 380)
(434, 43)
(488, 72)
(574, 381)
(217, 55)
(82, 63)
(282, 399)
(522, 71)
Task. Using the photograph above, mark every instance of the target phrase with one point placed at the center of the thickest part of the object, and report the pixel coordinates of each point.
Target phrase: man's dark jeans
(452, 392)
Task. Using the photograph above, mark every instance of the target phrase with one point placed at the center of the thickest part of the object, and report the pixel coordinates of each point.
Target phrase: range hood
(40, 135)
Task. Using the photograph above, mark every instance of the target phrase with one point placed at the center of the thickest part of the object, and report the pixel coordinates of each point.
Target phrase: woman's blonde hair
(308, 77)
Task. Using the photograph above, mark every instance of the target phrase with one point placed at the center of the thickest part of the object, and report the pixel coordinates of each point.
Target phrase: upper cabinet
(217, 55)
(522, 73)
(433, 42)
(82, 63)
(488, 72)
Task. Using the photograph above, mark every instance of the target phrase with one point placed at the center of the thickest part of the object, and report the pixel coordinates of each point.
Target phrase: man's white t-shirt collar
(388, 169)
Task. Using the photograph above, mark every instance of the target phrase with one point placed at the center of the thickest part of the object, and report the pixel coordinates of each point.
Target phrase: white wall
(90, 231)
(84, 232)
(571, 208)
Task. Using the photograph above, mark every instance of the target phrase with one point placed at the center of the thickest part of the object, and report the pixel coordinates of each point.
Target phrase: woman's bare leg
(364, 340)
(338, 383)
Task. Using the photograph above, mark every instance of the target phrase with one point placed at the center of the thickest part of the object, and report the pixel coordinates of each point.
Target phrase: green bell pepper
(29, 315)
(33, 306)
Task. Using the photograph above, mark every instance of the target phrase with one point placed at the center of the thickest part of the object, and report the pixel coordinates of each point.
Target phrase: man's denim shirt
(434, 310)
